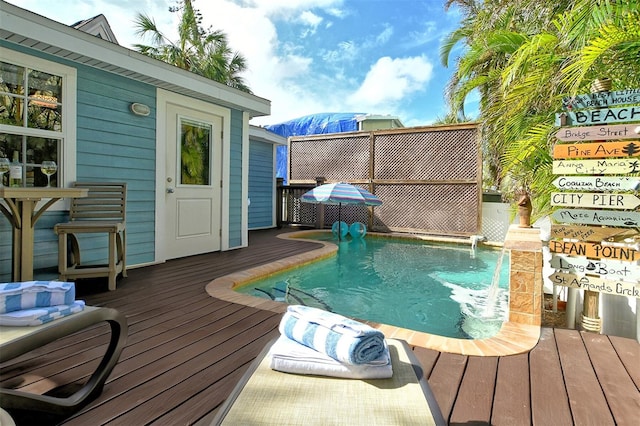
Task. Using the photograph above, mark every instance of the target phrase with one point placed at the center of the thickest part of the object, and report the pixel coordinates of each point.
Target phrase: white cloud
(390, 80)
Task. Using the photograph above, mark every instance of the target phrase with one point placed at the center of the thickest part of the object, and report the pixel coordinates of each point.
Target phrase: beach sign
(595, 200)
(596, 150)
(596, 250)
(597, 133)
(597, 217)
(619, 288)
(604, 268)
(596, 167)
(598, 116)
(602, 99)
(597, 183)
(590, 233)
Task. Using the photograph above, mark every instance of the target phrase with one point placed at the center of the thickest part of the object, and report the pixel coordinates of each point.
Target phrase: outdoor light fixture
(140, 109)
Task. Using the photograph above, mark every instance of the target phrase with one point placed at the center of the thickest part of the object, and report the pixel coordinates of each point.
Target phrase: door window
(195, 152)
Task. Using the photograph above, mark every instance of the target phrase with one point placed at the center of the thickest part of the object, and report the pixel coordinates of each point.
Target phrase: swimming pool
(442, 289)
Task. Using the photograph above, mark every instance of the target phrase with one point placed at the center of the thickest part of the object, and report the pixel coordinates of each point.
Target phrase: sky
(377, 57)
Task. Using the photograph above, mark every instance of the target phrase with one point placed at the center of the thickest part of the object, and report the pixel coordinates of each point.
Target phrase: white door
(193, 181)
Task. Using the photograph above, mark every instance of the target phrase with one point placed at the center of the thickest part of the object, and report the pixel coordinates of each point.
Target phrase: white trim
(245, 180)
(68, 168)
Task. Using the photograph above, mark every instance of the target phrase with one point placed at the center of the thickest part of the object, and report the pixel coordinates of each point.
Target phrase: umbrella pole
(339, 220)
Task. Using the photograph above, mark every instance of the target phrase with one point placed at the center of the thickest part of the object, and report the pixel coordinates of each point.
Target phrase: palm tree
(204, 52)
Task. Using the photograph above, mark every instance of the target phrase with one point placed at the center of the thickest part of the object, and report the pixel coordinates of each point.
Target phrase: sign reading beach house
(602, 99)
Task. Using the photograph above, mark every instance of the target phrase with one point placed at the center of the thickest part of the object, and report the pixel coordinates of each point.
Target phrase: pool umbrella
(340, 193)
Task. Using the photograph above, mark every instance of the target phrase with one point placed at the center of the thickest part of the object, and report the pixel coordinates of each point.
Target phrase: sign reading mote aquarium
(602, 99)
(597, 150)
(596, 133)
(620, 288)
(590, 233)
(597, 183)
(595, 200)
(596, 167)
(598, 217)
(604, 268)
(598, 116)
(594, 250)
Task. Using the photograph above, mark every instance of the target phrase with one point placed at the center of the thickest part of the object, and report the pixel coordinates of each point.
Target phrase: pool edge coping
(512, 338)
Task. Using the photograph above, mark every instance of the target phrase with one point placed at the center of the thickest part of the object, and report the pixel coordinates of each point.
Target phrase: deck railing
(290, 210)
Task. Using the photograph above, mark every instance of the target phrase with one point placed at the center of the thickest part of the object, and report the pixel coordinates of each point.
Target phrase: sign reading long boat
(597, 133)
(596, 150)
(594, 217)
(620, 288)
(596, 167)
(604, 268)
(598, 116)
(597, 183)
(595, 200)
(594, 250)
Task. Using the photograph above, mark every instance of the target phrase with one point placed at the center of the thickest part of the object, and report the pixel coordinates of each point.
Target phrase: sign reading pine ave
(595, 200)
(596, 167)
(598, 116)
(600, 285)
(597, 217)
(594, 250)
(602, 99)
(597, 150)
(597, 133)
(597, 183)
(604, 268)
(590, 233)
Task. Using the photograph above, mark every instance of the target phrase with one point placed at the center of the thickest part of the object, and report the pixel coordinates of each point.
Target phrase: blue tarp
(314, 124)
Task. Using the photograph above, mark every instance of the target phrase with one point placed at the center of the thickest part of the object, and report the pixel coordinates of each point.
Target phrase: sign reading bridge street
(597, 183)
(597, 133)
(604, 268)
(598, 116)
(596, 167)
(598, 199)
(602, 99)
(597, 150)
(600, 285)
(597, 217)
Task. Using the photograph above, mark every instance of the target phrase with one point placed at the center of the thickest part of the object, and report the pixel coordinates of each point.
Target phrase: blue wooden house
(198, 175)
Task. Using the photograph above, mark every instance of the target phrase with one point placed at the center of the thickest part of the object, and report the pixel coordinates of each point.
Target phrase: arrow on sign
(605, 268)
(598, 217)
(596, 167)
(597, 133)
(597, 183)
(599, 199)
(619, 288)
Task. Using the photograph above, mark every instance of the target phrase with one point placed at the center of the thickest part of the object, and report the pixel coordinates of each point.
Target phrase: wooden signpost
(597, 183)
(598, 217)
(595, 200)
(604, 268)
(620, 288)
(598, 116)
(597, 150)
(595, 250)
(598, 133)
(590, 233)
(596, 167)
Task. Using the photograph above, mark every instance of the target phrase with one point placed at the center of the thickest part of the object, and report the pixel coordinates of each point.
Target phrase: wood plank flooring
(186, 351)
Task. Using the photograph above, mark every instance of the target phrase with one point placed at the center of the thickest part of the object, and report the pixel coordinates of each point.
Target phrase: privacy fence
(429, 178)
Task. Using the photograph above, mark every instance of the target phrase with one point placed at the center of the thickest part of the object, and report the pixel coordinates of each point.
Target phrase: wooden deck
(186, 351)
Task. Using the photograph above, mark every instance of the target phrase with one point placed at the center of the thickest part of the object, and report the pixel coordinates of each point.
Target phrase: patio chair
(16, 341)
(103, 211)
(264, 396)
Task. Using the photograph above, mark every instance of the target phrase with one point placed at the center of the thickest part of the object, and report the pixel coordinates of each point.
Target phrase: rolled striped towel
(35, 294)
(341, 338)
(39, 316)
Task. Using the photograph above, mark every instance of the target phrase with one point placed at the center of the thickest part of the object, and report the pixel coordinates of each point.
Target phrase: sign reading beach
(598, 116)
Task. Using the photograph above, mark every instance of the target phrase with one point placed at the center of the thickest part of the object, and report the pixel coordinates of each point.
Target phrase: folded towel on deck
(341, 338)
(290, 356)
(39, 316)
(35, 294)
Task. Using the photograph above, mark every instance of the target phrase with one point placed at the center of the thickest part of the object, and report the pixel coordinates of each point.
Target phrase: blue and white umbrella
(340, 193)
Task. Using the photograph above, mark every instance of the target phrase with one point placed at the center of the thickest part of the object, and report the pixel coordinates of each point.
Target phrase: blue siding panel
(261, 185)
(235, 183)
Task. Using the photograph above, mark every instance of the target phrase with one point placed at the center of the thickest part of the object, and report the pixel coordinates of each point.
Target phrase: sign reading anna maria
(602, 99)
(610, 166)
(598, 116)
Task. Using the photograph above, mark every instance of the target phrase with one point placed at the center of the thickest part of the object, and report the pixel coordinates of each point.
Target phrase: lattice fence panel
(437, 209)
(334, 158)
(427, 155)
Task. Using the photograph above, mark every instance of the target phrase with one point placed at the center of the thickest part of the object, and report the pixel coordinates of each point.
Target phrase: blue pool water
(442, 289)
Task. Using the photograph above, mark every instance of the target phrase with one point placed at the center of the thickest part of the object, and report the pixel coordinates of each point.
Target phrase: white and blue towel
(340, 338)
(39, 316)
(35, 294)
